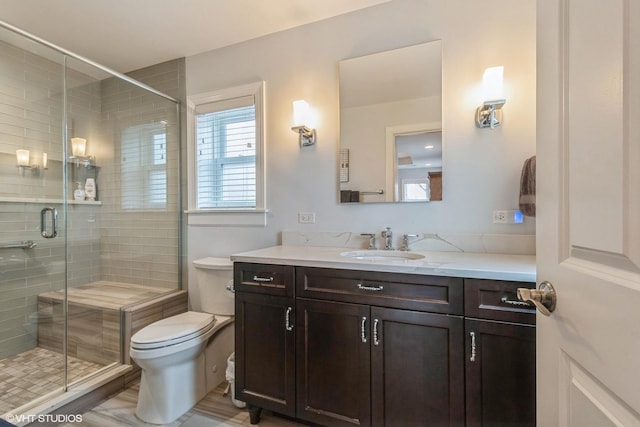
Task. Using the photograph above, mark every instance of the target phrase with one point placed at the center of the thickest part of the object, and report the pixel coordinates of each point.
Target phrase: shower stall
(89, 218)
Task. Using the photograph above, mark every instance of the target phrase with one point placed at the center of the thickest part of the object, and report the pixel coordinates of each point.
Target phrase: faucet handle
(405, 241)
(372, 240)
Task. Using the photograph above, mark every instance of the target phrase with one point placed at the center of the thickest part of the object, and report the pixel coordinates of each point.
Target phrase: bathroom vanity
(339, 339)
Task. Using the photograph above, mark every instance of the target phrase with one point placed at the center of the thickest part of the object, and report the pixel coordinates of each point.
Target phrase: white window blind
(144, 167)
(225, 146)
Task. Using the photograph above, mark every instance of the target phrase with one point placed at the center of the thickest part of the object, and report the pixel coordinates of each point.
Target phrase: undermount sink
(382, 255)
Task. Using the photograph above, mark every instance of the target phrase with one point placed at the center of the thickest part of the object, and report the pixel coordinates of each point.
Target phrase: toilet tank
(213, 277)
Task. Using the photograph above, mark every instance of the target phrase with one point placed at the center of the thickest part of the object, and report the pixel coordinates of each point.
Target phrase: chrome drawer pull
(287, 319)
(363, 333)
(376, 341)
(370, 288)
(262, 279)
(506, 300)
(473, 347)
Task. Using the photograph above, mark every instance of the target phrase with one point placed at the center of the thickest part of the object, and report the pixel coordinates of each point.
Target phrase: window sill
(228, 217)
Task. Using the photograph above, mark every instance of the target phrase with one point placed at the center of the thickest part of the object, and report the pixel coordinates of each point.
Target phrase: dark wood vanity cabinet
(367, 356)
(265, 338)
(359, 348)
(500, 355)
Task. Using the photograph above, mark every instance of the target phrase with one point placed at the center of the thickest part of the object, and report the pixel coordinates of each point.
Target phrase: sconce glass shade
(78, 147)
(22, 157)
(45, 160)
(301, 113)
(301, 120)
(492, 83)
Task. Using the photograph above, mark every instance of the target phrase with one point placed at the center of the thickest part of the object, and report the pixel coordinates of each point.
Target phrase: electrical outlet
(500, 217)
(307, 217)
(507, 217)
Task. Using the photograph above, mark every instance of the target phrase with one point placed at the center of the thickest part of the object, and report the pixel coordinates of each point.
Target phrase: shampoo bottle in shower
(90, 189)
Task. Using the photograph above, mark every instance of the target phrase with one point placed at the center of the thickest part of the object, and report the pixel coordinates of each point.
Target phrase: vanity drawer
(263, 278)
(406, 291)
(497, 300)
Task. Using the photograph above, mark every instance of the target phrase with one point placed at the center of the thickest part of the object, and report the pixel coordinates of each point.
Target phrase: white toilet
(183, 357)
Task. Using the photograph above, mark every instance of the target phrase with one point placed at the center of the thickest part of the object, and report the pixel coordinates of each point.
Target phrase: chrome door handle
(262, 279)
(544, 298)
(54, 223)
(376, 341)
(472, 358)
(287, 319)
(363, 331)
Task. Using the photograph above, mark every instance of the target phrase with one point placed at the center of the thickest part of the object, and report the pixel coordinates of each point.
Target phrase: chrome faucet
(372, 240)
(388, 241)
(405, 241)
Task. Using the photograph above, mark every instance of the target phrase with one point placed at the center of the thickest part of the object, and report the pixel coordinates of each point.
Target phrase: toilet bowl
(181, 356)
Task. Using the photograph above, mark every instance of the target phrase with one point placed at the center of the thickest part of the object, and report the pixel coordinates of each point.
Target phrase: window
(226, 151)
(226, 157)
(415, 190)
(144, 167)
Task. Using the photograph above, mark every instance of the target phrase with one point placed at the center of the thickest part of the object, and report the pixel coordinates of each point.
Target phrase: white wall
(481, 166)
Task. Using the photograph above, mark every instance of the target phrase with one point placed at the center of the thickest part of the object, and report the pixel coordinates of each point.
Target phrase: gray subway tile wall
(105, 242)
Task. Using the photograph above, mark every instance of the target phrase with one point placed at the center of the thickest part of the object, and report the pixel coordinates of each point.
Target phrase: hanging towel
(528, 187)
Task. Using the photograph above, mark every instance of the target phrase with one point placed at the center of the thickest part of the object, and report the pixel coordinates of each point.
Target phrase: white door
(588, 223)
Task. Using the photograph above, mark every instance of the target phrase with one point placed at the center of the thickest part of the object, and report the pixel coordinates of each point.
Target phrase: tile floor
(215, 410)
(34, 373)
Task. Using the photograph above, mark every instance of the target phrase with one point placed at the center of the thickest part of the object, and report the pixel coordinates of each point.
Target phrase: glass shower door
(33, 220)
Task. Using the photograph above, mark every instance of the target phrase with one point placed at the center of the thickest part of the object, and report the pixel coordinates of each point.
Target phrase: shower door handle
(44, 232)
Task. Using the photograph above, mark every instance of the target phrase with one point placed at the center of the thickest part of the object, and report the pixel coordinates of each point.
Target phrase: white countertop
(519, 268)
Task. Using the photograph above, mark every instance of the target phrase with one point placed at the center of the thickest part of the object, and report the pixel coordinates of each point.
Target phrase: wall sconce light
(78, 147)
(301, 118)
(78, 152)
(489, 114)
(23, 161)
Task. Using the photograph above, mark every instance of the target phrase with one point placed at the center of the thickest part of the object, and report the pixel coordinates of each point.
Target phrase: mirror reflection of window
(143, 168)
(418, 166)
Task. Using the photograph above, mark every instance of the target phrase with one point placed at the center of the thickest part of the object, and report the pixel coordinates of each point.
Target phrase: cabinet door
(417, 369)
(265, 352)
(333, 382)
(501, 374)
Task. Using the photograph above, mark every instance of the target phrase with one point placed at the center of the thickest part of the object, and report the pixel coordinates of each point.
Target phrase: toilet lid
(173, 330)
(214, 263)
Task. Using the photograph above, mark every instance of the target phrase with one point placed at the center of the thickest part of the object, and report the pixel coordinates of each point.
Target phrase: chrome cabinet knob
(544, 298)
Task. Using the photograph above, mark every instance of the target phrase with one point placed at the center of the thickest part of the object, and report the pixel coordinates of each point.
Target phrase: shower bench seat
(102, 318)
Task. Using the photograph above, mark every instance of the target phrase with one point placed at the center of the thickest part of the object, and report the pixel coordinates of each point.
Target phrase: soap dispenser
(78, 192)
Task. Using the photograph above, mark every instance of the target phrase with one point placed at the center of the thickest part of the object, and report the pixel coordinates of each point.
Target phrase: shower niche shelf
(48, 200)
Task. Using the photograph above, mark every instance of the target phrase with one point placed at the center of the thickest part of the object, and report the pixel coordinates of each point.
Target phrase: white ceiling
(127, 35)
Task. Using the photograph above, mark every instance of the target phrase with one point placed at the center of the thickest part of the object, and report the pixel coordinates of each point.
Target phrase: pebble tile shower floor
(34, 373)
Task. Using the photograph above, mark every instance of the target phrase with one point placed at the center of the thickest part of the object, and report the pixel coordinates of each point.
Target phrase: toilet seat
(173, 330)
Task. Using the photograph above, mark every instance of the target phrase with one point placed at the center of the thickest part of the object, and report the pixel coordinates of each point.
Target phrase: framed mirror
(391, 126)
